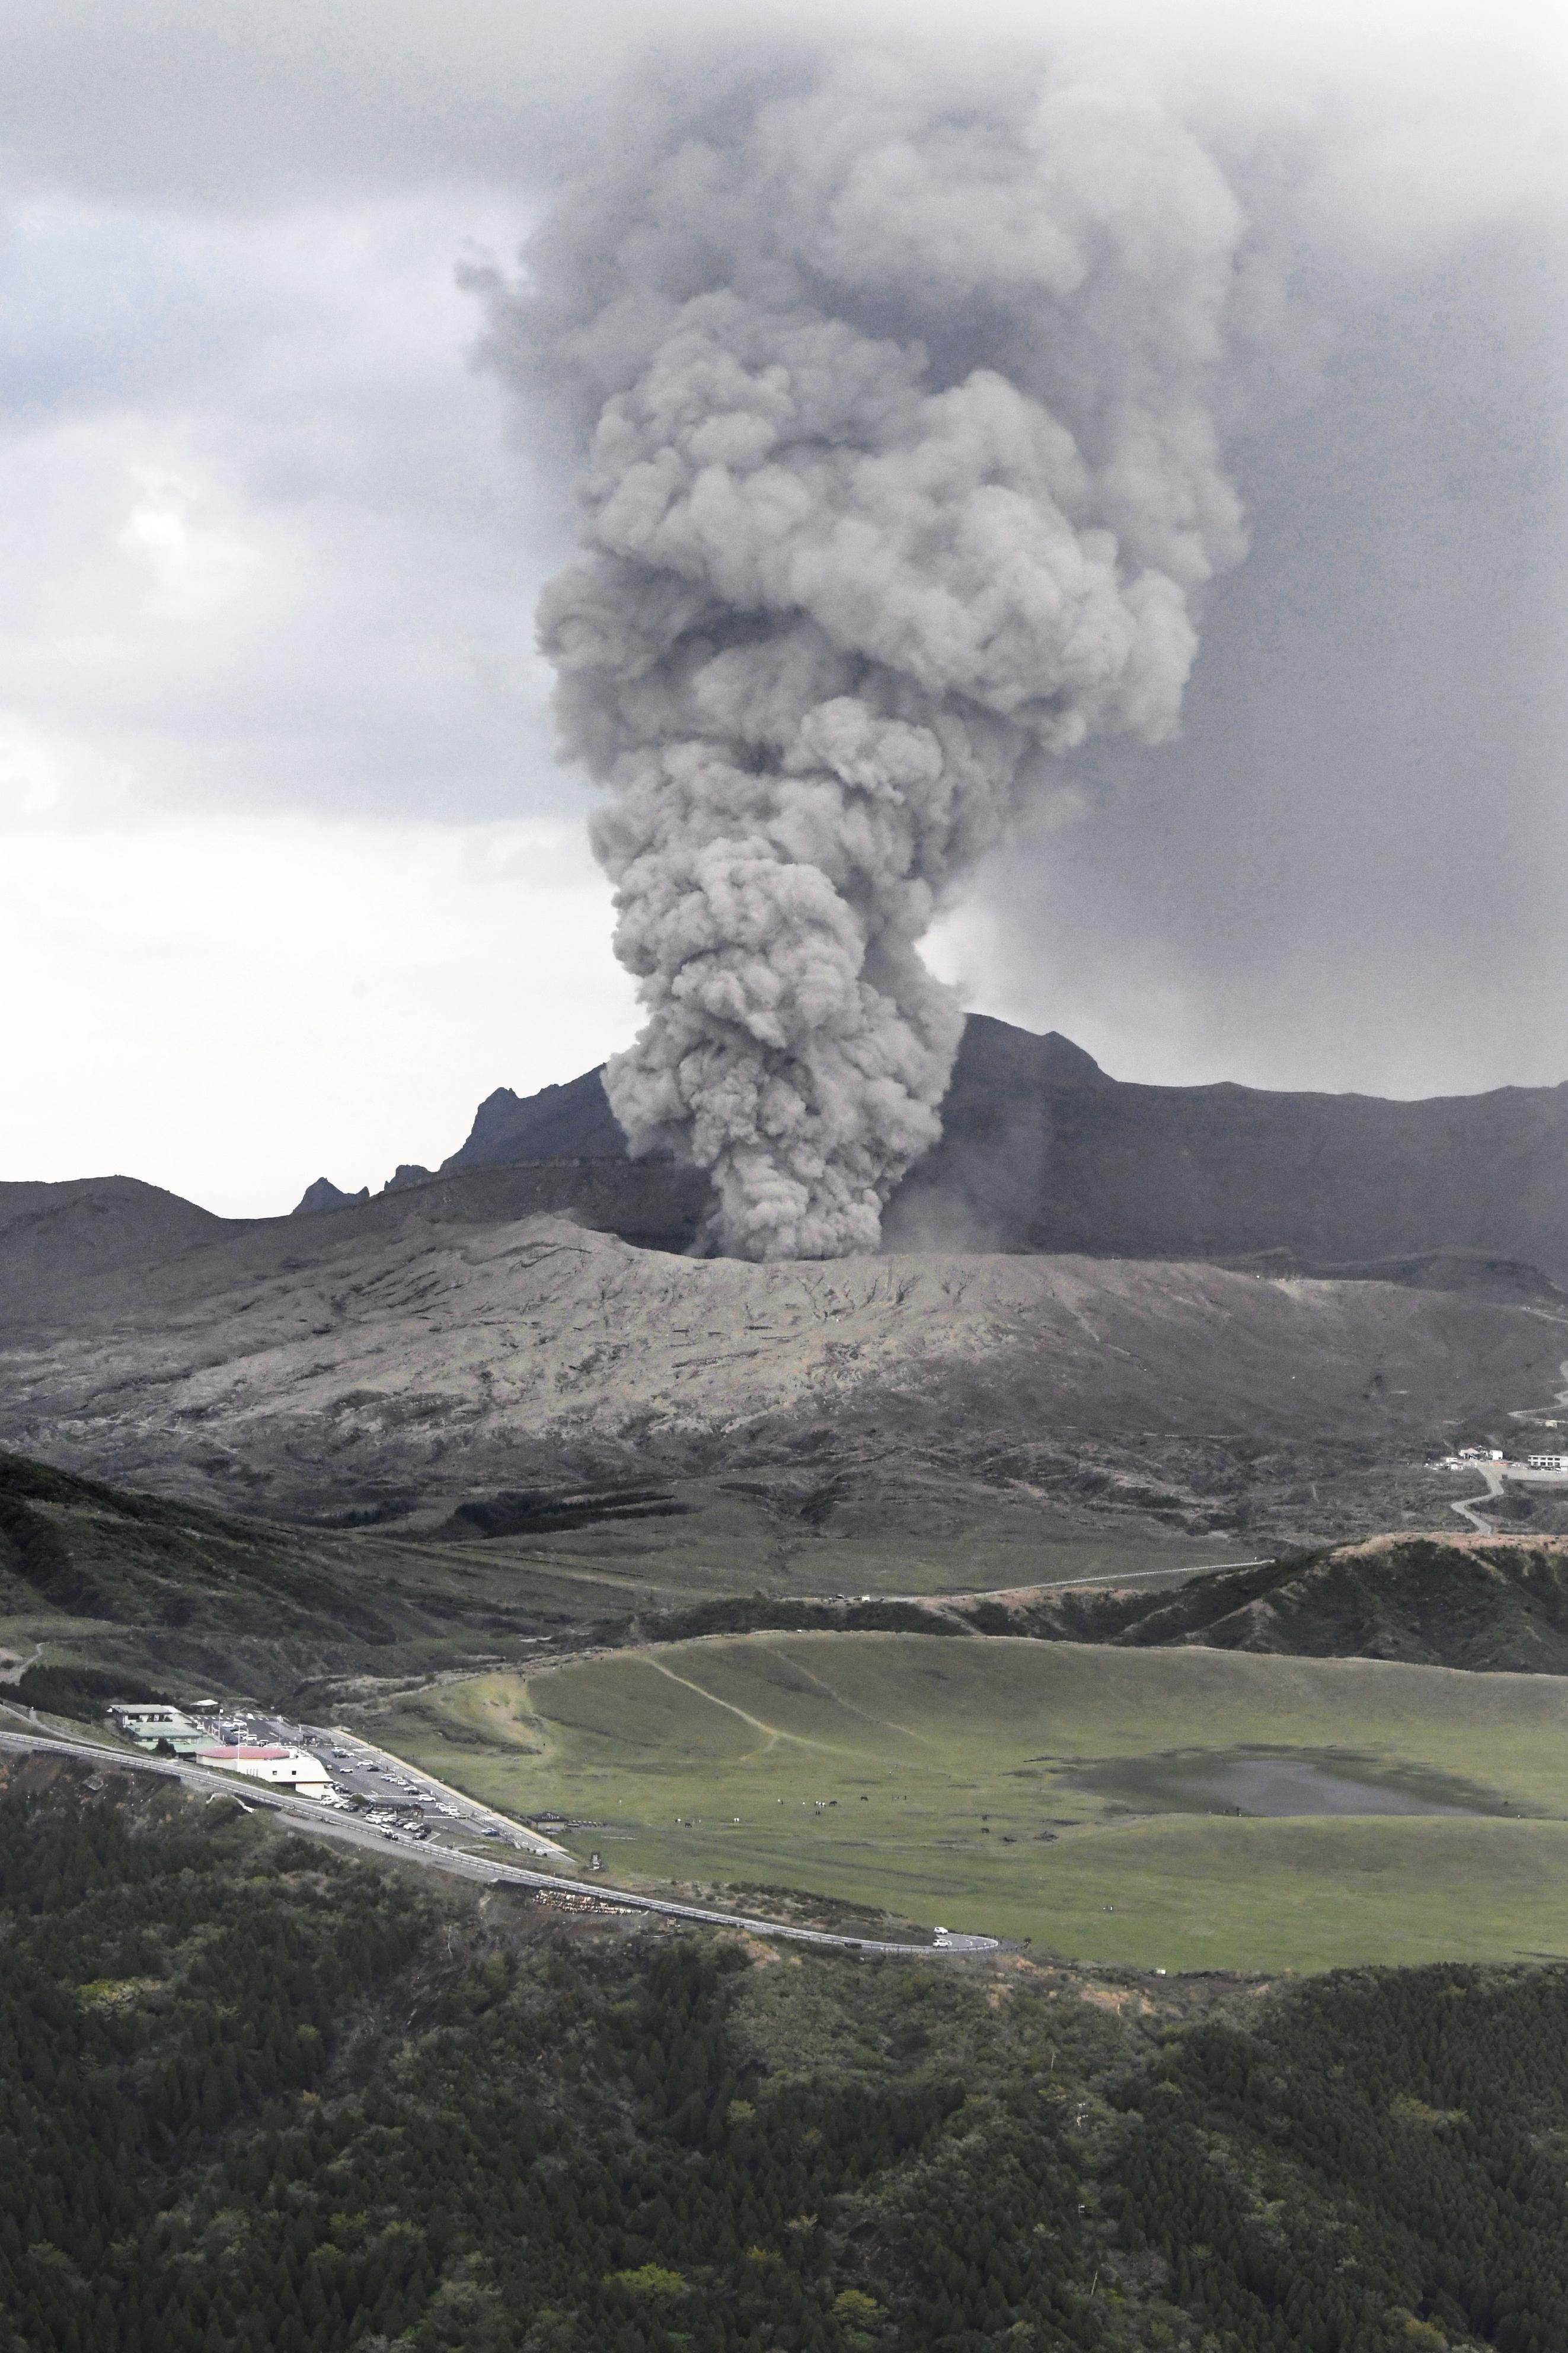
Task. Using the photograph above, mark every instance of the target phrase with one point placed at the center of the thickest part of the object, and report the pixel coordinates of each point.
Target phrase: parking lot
(396, 1798)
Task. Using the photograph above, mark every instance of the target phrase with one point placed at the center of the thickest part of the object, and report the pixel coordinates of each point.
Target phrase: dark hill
(149, 1585)
(1042, 1152)
(1498, 1603)
(1039, 1154)
(93, 1551)
(141, 1588)
(59, 1238)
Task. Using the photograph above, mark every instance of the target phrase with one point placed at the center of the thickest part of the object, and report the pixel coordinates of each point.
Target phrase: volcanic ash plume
(902, 481)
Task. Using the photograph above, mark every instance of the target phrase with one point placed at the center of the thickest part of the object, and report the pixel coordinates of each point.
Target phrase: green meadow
(1046, 1790)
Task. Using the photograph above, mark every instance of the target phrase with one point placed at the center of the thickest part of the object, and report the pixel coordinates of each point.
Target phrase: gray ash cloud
(900, 387)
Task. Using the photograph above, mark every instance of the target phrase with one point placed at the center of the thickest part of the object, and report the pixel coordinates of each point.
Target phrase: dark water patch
(1274, 1782)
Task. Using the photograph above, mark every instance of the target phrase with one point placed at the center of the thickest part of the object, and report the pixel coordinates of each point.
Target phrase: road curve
(309, 1816)
(1493, 1478)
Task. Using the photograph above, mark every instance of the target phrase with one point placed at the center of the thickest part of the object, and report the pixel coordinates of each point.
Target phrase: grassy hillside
(257, 2097)
(156, 1587)
(103, 1576)
(1078, 1796)
(1489, 1603)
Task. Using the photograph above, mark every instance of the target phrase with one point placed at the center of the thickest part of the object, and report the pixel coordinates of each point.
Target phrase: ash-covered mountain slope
(392, 1350)
(1042, 1152)
(109, 1246)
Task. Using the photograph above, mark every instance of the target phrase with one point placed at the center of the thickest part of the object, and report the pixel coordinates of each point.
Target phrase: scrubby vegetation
(1486, 1603)
(756, 1614)
(1380, 2158)
(258, 2098)
(81, 1694)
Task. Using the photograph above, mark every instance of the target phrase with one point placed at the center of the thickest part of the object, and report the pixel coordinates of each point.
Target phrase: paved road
(308, 1815)
(1492, 1473)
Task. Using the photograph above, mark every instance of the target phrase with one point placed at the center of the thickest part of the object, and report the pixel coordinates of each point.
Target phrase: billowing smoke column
(902, 481)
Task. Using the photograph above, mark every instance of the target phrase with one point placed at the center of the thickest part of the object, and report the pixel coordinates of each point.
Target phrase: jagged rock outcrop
(568, 1123)
(324, 1195)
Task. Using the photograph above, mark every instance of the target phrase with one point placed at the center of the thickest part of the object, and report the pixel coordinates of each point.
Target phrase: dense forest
(258, 2098)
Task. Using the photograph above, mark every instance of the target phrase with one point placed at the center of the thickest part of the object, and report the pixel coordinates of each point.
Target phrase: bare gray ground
(919, 1421)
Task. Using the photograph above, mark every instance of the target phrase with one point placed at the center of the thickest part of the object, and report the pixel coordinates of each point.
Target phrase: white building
(150, 1725)
(286, 1768)
(1548, 1461)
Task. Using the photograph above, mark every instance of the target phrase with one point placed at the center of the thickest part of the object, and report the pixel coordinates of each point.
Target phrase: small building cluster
(159, 1728)
(1469, 1457)
(168, 1728)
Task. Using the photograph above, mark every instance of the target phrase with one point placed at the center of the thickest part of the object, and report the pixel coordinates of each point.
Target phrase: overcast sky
(288, 876)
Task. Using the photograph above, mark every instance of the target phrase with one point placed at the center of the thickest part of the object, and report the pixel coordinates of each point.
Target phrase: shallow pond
(1276, 1781)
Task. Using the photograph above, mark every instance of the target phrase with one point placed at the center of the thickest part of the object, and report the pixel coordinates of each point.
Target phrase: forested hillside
(258, 2098)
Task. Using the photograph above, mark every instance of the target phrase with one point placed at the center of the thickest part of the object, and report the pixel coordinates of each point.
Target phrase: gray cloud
(1348, 872)
(266, 545)
(260, 104)
(902, 376)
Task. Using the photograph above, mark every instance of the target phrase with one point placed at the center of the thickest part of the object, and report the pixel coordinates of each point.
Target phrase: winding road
(307, 1815)
(1492, 1474)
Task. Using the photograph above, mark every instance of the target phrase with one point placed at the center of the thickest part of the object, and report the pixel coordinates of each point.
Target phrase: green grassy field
(924, 1777)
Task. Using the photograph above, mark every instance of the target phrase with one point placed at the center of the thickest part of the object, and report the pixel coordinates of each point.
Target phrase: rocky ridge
(1042, 1152)
(1495, 1604)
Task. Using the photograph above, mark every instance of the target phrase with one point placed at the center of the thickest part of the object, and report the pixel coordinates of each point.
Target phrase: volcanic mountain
(1042, 1152)
(454, 1341)
(1207, 1312)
